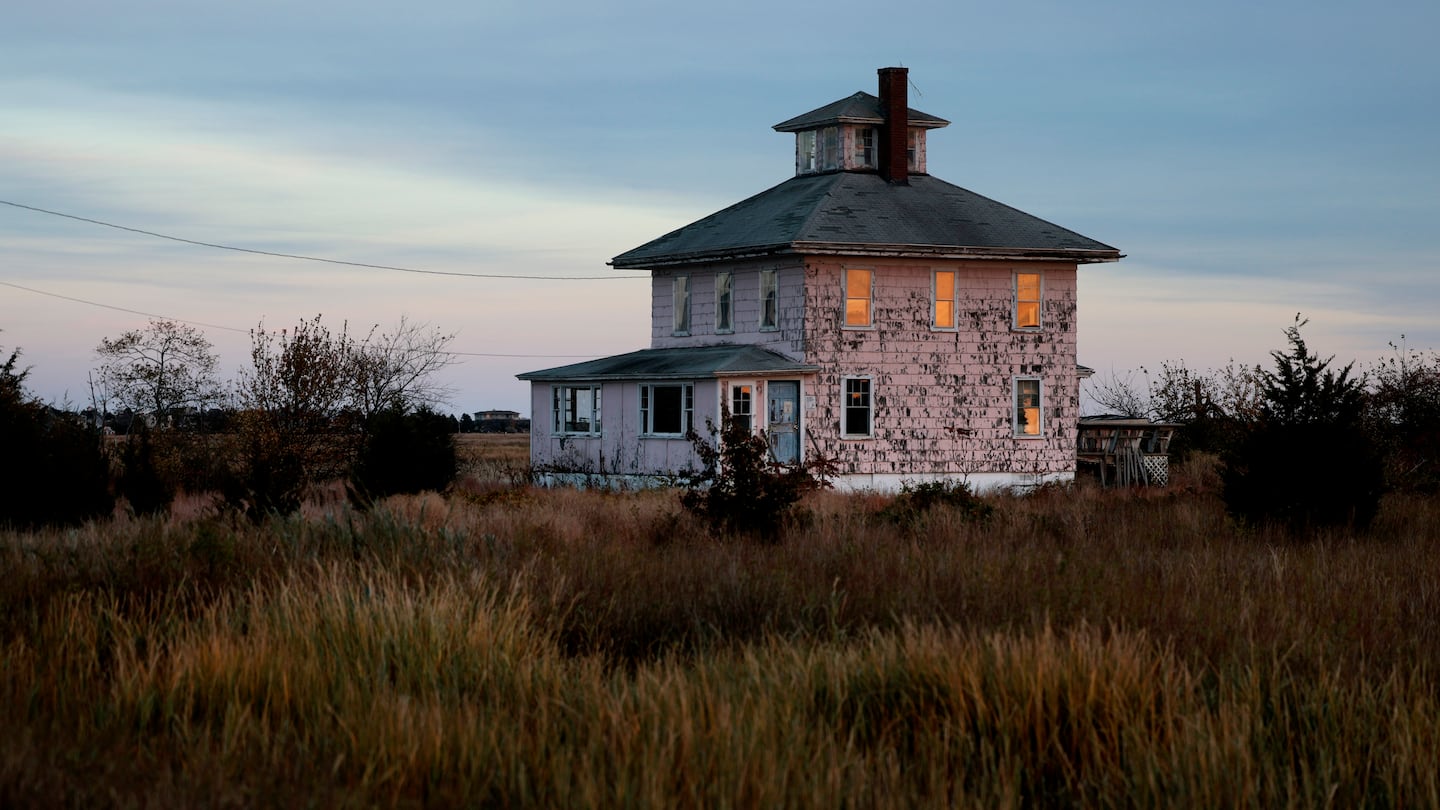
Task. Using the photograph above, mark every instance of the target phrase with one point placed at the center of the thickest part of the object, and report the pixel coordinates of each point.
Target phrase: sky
(1252, 160)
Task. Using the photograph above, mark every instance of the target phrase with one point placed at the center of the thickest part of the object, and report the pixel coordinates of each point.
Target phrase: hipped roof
(687, 363)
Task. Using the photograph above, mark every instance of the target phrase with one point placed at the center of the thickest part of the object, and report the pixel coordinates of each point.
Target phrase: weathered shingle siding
(943, 399)
(788, 339)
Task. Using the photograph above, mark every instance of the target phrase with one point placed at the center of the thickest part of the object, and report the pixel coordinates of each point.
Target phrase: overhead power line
(300, 257)
(247, 331)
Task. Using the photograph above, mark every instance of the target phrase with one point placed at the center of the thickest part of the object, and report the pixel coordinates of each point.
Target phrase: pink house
(910, 329)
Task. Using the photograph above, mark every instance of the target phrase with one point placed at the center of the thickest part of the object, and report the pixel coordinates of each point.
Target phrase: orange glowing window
(1027, 300)
(942, 316)
(857, 297)
(1027, 408)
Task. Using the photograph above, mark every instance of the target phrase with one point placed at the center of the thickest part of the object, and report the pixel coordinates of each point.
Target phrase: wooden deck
(1126, 452)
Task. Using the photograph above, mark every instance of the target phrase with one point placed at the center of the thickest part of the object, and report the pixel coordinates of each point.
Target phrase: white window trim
(730, 277)
(774, 327)
(870, 406)
(954, 299)
(1015, 407)
(557, 421)
(731, 389)
(1015, 301)
(845, 299)
(681, 329)
(646, 394)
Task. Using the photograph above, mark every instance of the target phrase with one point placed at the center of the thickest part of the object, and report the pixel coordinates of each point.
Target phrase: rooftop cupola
(865, 133)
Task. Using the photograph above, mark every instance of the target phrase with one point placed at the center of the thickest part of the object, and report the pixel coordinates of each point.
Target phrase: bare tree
(397, 369)
(1120, 396)
(159, 369)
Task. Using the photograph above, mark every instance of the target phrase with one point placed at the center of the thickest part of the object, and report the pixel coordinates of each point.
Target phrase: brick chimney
(894, 133)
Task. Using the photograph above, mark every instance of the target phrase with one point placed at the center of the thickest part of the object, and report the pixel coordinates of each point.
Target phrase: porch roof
(687, 363)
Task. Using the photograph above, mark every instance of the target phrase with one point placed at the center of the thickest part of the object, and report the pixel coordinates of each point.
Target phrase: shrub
(917, 500)
(742, 489)
(145, 486)
(403, 453)
(56, 472)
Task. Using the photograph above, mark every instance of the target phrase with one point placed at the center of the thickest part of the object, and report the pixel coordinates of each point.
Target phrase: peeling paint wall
(943, 399)
(619, 449)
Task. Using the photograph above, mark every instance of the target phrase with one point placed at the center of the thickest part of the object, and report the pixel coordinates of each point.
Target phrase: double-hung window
(858, 297)
(805, 152)
(829, 147)
(1027, 300)
(865, 147)
(856, 409)
(942, 309)
(576, 409)
(667, 409)
(724, 302)
(1029, 419)
(680, 288)
(769, 300)
(742, 406)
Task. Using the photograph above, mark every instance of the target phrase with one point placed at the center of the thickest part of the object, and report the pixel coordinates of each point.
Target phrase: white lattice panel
(1157, 468)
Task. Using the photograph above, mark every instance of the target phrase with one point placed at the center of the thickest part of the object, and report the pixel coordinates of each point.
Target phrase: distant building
(907, 328)
(482, 416)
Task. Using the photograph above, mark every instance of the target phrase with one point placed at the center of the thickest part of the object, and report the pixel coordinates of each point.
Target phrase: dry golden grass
(508, 646)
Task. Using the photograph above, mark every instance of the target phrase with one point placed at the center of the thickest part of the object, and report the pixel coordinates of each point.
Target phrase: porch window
(856, 410)
(769, 300)
(857, 297)
(742, 406)
(680, 287)
(576, 409)
(1027, 300)
(724, 320)
(942, 312)
(667, 410)
(1028, 416)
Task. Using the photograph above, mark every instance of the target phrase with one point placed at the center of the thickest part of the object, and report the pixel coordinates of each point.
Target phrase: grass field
(506, 646)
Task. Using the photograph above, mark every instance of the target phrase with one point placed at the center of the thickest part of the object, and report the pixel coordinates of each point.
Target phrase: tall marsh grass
(514, 647)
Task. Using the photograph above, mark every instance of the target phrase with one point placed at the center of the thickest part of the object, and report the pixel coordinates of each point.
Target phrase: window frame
(773, 322)
(829, 148)
(846, 407)
(724, 302)
(869, 298)
(953, 301)
(1038, 301)
(748, 412)
(648, 408)
(1017, 423)
(560, 393)
(680, 302)
(807, 152)
(866, 139)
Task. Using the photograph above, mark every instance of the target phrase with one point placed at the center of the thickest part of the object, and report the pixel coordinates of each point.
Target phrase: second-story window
(724, 319)
(680, 287)
(1027, 300)
(857, 297)
(942, 310)
(769, 300)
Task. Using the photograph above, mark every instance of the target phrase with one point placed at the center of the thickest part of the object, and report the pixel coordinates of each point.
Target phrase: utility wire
(309, 258)
(247, 331)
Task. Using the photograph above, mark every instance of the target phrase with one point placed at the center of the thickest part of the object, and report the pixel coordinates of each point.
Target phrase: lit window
(769, 299)
(855, 410)
(942, 314)
(723, 305)
(576, 409)
(1027, 408)
(681, 289)
(1027, 300)
(865, 147)
(857, 297)
(667, 410)
(742, 406)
